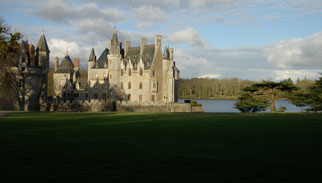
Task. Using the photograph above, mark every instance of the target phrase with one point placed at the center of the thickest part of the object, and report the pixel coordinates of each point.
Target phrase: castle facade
(131, 75)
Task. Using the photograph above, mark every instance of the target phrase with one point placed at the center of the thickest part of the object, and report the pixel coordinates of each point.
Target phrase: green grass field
(146, 147)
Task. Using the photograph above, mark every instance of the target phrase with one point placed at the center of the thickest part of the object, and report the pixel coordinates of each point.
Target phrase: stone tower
(91, 61)
(114, 59)
(42, 56)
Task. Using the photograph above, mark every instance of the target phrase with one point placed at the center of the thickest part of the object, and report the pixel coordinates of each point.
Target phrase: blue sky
(248, 39)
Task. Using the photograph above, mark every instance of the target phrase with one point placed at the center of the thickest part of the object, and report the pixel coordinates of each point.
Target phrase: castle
(130, 75)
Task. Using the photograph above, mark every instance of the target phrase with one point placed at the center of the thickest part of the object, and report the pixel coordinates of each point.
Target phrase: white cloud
(61, 11)
(210, 76)
(297, 53)
(149, 13)
(189, 36)
(58, 48)
(295, 74)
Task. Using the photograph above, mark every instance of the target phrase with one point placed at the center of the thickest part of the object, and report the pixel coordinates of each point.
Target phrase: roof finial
(67, 51)
(42, 27)
(114, 28)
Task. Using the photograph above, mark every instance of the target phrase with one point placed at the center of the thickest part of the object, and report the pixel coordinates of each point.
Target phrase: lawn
(167, 147)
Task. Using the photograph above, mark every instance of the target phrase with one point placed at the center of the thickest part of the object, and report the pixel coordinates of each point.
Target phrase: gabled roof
(91, 55)
(42, 44)
(102, 60)
(66, 66)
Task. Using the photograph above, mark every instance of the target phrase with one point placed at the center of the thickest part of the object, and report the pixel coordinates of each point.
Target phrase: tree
(312, 98)
(267, 90)
(11, 74)
(250, 102)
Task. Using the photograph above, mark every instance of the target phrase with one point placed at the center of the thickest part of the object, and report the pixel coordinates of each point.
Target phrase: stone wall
(173, 107)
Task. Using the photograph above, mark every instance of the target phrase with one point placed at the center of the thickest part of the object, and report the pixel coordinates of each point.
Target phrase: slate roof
(91, 55)
(42, 44)
(166, 53)
(66, 66)
(102, 60)
(147, 56)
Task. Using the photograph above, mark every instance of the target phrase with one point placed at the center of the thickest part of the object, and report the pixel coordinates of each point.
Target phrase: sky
(247, 39)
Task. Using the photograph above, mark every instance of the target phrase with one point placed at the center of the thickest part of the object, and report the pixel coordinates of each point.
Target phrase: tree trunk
(273, 101)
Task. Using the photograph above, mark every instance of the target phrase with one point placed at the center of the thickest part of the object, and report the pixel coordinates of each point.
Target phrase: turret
(114, 44)
(43, 52)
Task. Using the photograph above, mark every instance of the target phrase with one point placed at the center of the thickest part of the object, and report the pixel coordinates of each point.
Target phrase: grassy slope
(131, 147)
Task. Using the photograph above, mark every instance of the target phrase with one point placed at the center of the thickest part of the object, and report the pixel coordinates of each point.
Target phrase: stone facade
(139, 75)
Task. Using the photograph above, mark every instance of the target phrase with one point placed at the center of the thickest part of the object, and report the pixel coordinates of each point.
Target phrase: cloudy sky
(248, 39)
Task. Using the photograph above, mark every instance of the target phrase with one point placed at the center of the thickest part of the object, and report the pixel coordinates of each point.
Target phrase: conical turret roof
(91, 55)
(42, 43)
(66, 65)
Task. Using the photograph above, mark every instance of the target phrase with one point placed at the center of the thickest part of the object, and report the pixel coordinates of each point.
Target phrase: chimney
(127, 46)
(158, 41)
(56, 63)
(76, 63)
(171, 53)
(32, 53)
(143, 44)
(94, 59)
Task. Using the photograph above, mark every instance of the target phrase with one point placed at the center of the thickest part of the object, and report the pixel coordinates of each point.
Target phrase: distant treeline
(204, 88)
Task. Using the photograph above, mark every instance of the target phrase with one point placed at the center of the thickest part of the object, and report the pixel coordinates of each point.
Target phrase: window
(140, 85)
(129, 72)
(154, 85)
(64, 95)
(121, 85)
(129, 85)
(121, 72)
(86, 95)
(110, 76)
(129, 97)
(95, 95)
(95, 86)
(104, 95)
(141, 71)
(153, 73)
(153, 98)
(140, 98)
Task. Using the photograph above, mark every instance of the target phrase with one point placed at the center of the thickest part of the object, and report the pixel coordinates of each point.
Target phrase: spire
(91, 55)
(166, 54)
(115, 36)
(42, 44)
(67, 52)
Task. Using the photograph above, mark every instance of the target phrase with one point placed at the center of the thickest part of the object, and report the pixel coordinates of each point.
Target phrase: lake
(228, 105)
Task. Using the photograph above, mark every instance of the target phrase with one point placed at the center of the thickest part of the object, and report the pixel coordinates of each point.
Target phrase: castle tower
(114, 64)
(91, 61)
(42, 56)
